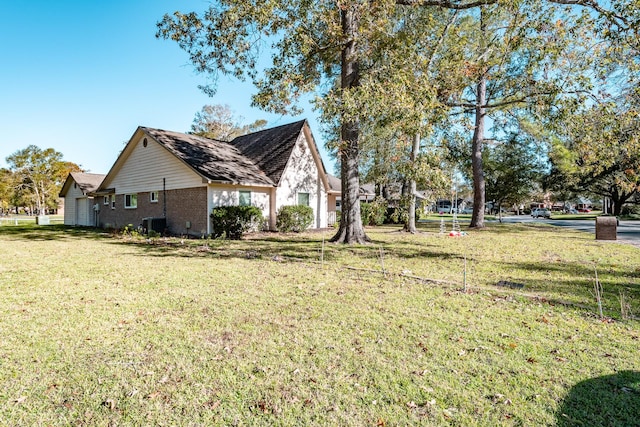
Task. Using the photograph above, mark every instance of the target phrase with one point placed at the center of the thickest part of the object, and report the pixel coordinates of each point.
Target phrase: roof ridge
(269, 129)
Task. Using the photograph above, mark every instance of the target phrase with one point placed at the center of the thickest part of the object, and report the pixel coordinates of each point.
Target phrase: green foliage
(598, 151)
(398, 64)
(233, 221)
(374, 213)
(37, 176)
(512, 169)
(295, 218)
(219, 122)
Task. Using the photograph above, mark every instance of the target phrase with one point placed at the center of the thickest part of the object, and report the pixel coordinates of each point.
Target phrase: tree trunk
(351, 230)
(477, 218)
(410, 225)
(619, 198)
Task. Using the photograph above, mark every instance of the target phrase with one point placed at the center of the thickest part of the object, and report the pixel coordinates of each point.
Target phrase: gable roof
(212, 159)
(259, 158)
(270, 149)
(87, 182)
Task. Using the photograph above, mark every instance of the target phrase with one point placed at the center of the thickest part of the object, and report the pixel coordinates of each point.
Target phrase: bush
(373, 213)
(630, 210)
(232, 221)
(294, 218)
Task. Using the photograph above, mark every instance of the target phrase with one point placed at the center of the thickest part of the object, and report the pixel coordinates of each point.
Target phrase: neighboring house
(366, 194)
(176, 179)
(79, 204)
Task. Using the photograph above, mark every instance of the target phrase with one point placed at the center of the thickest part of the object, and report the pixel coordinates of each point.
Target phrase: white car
(541, 212)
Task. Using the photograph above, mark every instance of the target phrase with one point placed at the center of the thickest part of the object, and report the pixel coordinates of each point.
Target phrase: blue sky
(80, 76)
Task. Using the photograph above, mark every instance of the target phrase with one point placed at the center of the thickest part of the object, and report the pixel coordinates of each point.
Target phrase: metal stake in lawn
(443, 228)
(384, 273)
(598, 289)
(464, 274)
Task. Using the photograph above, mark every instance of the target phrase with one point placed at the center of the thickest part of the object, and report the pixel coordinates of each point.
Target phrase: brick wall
(182, 206)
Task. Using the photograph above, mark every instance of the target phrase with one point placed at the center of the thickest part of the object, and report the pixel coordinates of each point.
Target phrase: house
(79, 204)
(173, 180)
(366, 193)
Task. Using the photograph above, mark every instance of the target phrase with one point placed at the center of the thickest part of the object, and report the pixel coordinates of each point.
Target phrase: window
(113, 201)
(106, 200)
(130, 201)
(303, 199)
(244, 198)
(153, 197)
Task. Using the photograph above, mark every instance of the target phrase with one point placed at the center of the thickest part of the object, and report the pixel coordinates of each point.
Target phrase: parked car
(541, 212)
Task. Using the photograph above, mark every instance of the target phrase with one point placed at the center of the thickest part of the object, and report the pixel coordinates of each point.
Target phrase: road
(628, 231)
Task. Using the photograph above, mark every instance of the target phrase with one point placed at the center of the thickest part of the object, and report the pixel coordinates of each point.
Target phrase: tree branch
(446, 3)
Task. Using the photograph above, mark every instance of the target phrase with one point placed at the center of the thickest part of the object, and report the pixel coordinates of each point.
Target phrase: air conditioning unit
(158, 225)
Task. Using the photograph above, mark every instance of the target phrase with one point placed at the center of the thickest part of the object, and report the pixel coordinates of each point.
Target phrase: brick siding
(182, 206)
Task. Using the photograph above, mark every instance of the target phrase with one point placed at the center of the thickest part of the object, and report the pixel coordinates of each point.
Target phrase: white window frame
(106, 200)
(113, 201)
(131, 201)
(153, 197)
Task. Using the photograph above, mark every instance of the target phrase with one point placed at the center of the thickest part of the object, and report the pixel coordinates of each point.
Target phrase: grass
(111, 330)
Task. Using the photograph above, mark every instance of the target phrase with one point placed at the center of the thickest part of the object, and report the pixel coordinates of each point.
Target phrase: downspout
(272, 209)
(164, 198)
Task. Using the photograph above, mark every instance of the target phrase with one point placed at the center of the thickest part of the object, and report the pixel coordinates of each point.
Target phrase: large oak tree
(313, 45)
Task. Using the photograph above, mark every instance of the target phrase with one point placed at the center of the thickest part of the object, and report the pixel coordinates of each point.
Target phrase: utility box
(42, 220)
(606, 228)
(154, 224)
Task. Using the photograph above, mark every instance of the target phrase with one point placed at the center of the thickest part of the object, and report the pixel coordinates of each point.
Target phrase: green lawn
(275, 330)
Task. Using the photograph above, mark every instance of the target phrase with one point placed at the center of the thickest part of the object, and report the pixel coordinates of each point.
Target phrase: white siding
(228, 195)
(78, 207)
(84, 211)
(145, 168)
(301, 176)
(70, 204)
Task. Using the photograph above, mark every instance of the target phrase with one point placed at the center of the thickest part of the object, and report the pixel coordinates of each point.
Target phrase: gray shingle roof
(270, 149)
(214, 160)
(257, 158)
(87, 182)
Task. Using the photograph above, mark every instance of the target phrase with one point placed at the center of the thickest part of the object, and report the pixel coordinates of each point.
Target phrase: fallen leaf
(532, 360)
(212, 405)
(20, 400)
(153, 395)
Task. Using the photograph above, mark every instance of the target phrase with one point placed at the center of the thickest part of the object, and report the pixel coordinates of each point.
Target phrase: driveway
(628, 231)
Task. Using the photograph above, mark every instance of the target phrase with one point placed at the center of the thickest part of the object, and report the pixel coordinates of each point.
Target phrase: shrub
(294, 218)
(373, 213)
(232, 221)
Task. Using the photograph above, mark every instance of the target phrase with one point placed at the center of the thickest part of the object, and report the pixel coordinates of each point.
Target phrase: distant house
(366, 194)
(79, 203)
(176, 179)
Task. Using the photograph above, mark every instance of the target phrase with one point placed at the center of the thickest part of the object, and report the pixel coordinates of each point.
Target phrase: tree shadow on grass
(611, 400)
(50, 232)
